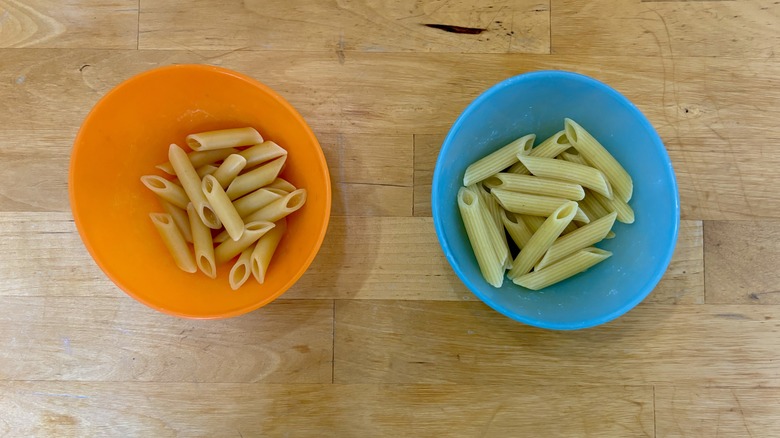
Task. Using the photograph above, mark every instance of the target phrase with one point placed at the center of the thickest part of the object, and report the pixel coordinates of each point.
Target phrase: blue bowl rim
(436, 206)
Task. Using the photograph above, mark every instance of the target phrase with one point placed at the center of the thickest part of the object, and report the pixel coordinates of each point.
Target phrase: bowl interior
(128, 133)
(537, 103)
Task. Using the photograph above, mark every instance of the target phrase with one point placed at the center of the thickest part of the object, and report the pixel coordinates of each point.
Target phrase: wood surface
(379, 337)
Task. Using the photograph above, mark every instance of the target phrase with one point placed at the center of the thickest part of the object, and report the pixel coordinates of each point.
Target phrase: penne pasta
(542, 239)
(179, 217)
(166, 190)
(533, 222)
(222, 207)
(585, 176)
(240, 271)
(264, 250)
(231, 248)
(576, 240)
(498, 160)
(490, 204)
(192, 185)
(549, 148)
(490, 265)
(569, 266)
(206, 169)
(597, 156)
(174, 241)
(570, 228)
(279, 208)
(256, 200)
(517, 229)
(224, 138)
(200, 159)
(535, 186)
(281, 184)
(624, 212)
(592, 207)
(229, 169)
(533, 205)
(204, 247)
(573, 158)
(260, 153)
(490, 209)
(255, 178)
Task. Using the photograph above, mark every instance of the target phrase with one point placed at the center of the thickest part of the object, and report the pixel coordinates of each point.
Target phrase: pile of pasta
(225, 201)
(554, 200)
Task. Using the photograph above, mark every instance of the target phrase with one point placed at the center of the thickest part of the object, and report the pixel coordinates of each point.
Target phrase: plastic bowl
(128, 132)
(537, 103)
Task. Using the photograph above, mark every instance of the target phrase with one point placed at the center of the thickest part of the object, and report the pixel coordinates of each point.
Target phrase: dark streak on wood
(456, 29)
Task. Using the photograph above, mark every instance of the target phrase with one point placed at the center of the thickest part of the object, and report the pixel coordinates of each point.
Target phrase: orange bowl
(128, 132)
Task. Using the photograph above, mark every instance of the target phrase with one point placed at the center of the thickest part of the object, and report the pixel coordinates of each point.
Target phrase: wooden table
(380, 338)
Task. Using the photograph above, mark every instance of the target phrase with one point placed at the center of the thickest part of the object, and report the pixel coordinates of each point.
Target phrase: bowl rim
(656, 140)
(74, 158)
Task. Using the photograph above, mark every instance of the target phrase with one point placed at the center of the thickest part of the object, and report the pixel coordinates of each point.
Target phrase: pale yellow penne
(592, 207)
(201, 240)
(583, 237)
(281, 184)
(222, 207)
(256, 200)
(231, 248)
(192, 186)
(489, 264)
(264, 250)
(624, 212)
(166, 190)
(256, 178)
(206, 169)
(535, 185)
(585, 176)
(597, 156)
(174, 241)
(491, 210)
(517, 229)
(551, 147)
(498, 160)
(260, 153)
(223, 138)
(568, 267)
(533, 222)
(200, 159)
(179, 216)
(229, 169)
(490, 203)
(279, 208)
(240, 271)
(542, 239)
(610, 235)
(533, 205)
(573, 158)
(570, 228)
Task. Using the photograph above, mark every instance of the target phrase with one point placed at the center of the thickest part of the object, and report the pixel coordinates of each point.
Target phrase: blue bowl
(537, 103)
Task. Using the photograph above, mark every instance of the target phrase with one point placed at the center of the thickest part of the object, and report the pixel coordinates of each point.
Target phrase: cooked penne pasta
(533, 222)
(585, 176)
(256, 200)
(222, 207)
(542, 239)
(201, 239)
(569, 266)
(265, 248)
(192, 185)
(592, 207)
(229, 169)
(535, 186)
(573, 158)
(533, 205)
(231, 248)
(491, 211)
(279, 208)
(240, 271)
(174, 241)
(517, 229)
(166, 190)
(490, 265)
(224, 138)
(598, 157)
(490, 204)
(206, 169)
(179, 217)
(624, 212)
(569, 228)
(498, 160)
(281, 184)
(549, 148)
(200, 159)
(260, 153)
(583, 237)
(256, 178)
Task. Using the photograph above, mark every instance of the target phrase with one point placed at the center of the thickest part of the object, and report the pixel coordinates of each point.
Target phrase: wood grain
(426, 151)
(467, 26)
(73, 23)
(743, 261)
(224, 409)
(468, 343)
(710, 412)
(667, 28)
(118, 339)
